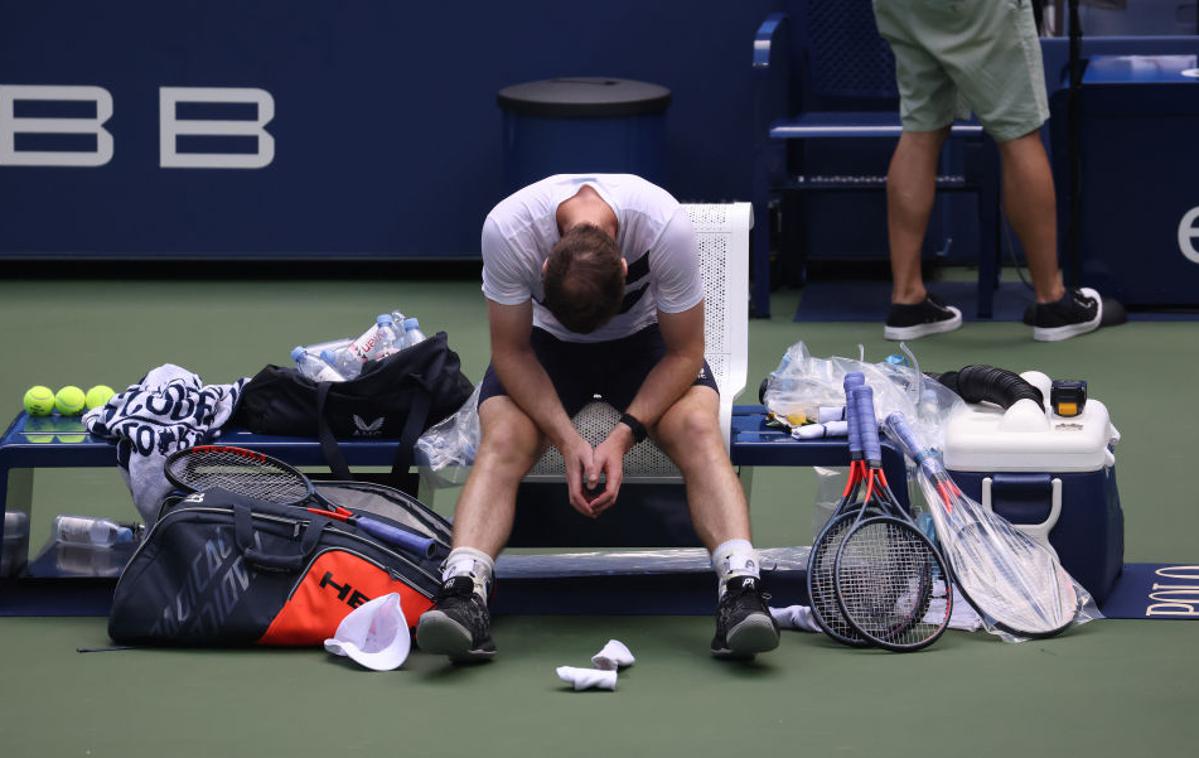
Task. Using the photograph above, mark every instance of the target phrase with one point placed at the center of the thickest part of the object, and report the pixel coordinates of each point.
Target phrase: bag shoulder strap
(414, 424)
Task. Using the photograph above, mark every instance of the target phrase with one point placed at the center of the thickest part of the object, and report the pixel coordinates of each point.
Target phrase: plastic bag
(1018, 586)
(802, 384)
(446, 450)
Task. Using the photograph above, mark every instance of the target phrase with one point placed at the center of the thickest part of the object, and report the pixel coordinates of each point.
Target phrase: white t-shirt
(653, 232)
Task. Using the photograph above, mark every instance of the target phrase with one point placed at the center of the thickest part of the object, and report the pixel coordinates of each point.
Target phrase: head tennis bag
(221, 569)
(398, 397)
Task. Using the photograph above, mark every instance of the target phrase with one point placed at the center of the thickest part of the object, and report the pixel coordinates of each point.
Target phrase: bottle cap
(383, 319)
(124, 534)
(411, 323)
(296, 353)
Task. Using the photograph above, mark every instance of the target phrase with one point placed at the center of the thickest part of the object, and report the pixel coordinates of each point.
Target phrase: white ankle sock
(734, 558)
(466, 561)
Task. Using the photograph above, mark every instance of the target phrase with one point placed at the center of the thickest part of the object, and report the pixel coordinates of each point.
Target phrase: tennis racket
(822, 558)
(1010, 578)
(886, 570)
(261, 477)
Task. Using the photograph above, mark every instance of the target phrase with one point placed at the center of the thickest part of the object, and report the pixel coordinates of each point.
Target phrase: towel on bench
(170, 410)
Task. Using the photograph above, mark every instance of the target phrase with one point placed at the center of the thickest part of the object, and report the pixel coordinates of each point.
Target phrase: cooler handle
(1039, 532)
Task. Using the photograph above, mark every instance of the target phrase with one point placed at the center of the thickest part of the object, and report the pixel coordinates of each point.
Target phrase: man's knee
(691, 421)
(508, 431)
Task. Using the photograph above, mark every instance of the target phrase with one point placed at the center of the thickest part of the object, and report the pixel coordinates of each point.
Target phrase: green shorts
(957, 56)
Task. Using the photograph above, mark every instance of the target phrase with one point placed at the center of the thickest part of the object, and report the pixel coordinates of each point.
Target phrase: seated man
(593, 287)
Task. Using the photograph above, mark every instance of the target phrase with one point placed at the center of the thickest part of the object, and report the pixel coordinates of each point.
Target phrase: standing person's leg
(1031, 206)
(1002, 77)
(911, 190)
(689, 432)
(928, 105)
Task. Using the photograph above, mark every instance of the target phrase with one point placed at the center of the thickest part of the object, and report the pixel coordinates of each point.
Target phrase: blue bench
(31, 443)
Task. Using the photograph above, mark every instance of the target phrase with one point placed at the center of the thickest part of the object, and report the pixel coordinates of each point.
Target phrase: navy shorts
(614, 370)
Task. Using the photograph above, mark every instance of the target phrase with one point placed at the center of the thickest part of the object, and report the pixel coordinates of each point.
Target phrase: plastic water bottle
(343, 362)
(84, 530)
(314, 368)
(398, 318)
(412, 333)
(370, 345)
(317, 348)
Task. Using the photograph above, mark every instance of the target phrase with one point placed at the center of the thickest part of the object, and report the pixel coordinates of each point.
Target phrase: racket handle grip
(868, 425)
(401, 538)
(853, 380)
(897, 423)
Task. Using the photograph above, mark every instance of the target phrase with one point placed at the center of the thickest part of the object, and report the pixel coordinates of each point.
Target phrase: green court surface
(1111, 688)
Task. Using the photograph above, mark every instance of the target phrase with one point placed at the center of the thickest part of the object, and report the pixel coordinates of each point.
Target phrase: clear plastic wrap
(802, 385)
(1018, 586)
(446, 450)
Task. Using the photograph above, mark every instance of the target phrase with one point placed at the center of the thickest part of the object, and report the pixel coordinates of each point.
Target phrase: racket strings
(886, 575)
(238, 473)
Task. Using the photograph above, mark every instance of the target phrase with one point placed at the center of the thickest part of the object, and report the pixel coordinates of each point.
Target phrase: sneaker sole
(897, 333)
(439, 634)
(756, 634)
(1059, 333)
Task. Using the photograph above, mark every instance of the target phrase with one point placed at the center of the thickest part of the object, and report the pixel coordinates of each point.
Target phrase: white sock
(734, 558)
(466, 561)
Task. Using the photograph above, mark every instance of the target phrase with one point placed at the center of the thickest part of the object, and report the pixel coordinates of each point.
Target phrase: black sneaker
(1078, 312)
(458, 625)
(909, 322)
(744, 626)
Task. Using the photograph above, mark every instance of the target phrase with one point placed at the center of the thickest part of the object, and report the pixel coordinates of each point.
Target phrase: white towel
(614, 656)
(585, 679)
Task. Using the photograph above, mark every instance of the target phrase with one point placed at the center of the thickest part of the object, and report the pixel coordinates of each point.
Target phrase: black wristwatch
(636, 426)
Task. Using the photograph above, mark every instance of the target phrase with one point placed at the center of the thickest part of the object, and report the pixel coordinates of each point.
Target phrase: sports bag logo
(363, 429)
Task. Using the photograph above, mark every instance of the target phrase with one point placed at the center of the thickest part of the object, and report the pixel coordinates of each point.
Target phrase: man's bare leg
(689, 432)
(510, 445)
(911, 190)
(1031, 205)
(459, 626)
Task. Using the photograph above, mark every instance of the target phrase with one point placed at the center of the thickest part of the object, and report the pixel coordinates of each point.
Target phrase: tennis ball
(39, 401)
(98, 396)
(70, 400)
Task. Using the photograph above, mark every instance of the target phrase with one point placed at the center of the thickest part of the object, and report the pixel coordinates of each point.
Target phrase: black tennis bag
(398, 397)
(222, 569)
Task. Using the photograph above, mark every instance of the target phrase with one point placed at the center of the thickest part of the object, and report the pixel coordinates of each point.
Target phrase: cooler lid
(982, 438)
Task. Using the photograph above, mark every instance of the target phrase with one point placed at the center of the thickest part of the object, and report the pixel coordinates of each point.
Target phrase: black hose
(976, 384)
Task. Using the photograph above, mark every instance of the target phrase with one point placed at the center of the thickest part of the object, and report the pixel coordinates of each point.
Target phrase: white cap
(375, 635)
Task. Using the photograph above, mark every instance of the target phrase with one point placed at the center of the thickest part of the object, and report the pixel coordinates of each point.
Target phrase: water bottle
(343, 362)
(370, 344)
(398, 318)
(84, 530)
(412, 332)
(314, 368)
(317, 348)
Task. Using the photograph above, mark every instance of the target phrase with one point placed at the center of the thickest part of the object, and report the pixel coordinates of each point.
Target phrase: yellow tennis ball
(39, 401)
(70, 400)
(98, 396)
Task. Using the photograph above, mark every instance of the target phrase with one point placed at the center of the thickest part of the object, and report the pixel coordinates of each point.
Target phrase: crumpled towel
(614, 656)
(585, 679)
(169, 410)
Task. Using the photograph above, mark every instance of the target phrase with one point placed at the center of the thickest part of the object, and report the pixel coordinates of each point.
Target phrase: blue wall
(386, 128)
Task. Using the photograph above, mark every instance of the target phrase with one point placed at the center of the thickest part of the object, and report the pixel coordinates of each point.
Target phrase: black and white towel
(170, 410)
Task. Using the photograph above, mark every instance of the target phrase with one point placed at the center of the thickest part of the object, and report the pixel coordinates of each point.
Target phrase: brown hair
(584, 281)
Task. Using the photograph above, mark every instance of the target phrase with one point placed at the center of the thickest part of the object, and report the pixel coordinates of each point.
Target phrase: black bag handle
(414, 424)
(243, 533)
(333, 457)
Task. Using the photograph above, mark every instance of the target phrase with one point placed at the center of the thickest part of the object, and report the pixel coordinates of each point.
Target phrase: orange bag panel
(337, 582)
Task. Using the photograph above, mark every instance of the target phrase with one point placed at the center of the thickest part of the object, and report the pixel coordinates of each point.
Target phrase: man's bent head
(584, 279)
